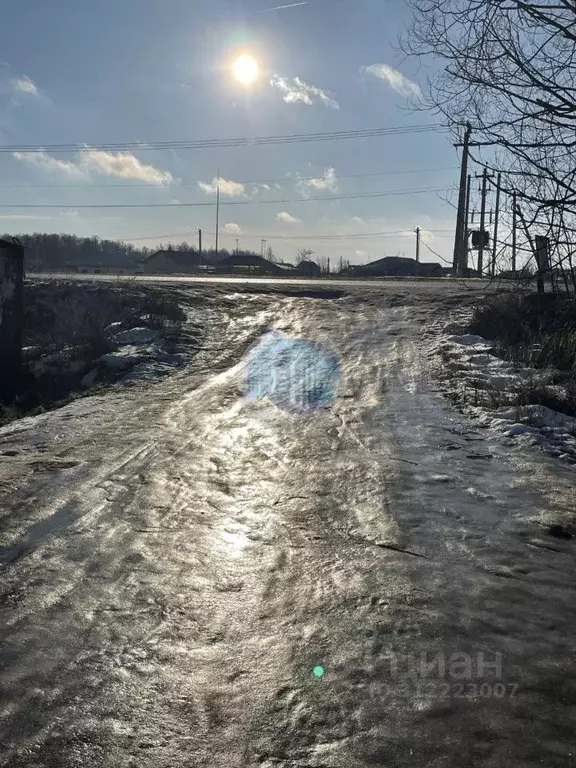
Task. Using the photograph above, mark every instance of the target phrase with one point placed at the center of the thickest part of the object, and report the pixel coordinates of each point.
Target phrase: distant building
(106, 264)
(398, 266)
(309, 269)
(249, 264)
(175, 262)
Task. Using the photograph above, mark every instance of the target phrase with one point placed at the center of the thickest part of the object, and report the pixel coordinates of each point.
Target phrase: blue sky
(160, 70)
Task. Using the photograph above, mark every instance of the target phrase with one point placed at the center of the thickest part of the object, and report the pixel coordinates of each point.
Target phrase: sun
(245, 69)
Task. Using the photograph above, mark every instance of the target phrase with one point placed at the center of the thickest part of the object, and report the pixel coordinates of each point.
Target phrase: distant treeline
(46, 251)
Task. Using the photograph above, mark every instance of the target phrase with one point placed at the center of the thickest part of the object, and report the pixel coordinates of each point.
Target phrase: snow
(488, 388)
(137, 336)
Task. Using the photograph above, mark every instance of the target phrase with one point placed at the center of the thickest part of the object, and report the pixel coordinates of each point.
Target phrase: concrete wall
(11, 312)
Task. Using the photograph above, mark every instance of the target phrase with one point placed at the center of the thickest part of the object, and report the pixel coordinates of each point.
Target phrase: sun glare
(245, 69)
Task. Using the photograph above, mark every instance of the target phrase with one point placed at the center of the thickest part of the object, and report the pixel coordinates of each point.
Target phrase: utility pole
(539, 272)
(514, 227)
(217, 209)
(199, 241)
(482, 221)
(496, 216)
(460, 260)
(467, 215)
(237, 243)
(328, 266)
(417, 244)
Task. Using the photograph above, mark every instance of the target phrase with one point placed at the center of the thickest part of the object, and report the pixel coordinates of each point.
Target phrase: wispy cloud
(24, 84)
(46, 162)
(395, 79)
(227, 187)
(232, 229)
(122, 165)
(287, 218)
(295, 90)
(328, 182)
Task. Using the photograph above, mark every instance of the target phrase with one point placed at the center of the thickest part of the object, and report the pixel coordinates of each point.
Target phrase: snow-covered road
(191, 576)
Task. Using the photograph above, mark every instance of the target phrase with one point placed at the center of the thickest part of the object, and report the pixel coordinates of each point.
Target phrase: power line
(291, 201)
(248, 235)
(246, 141)
(285, 179)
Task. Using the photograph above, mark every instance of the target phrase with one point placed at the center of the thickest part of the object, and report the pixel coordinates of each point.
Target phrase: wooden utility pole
(482, 222)
(460, 259)
(200, 241)
(467, 215)
(417, 244)
(514, 227)
(217, 210)
(496, 216)
(539, 272)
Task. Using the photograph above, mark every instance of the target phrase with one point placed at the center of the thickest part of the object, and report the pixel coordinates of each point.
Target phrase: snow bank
(490, 389)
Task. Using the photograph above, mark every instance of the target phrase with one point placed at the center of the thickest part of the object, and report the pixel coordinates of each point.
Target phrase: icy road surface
(193, 577)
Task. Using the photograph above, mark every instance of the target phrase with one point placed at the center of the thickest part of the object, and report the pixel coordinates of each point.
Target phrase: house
(249, 264)
(399, 266)
(107, 264)
(175, 262)
(309, 269)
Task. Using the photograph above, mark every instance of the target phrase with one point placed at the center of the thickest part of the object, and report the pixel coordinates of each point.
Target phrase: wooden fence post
(11, 316)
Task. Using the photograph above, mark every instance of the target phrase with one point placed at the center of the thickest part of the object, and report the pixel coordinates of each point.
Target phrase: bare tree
(509, 68)
(322, 262)
(303, 254)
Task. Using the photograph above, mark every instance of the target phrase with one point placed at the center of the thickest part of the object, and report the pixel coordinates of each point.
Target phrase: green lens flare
(318, 671)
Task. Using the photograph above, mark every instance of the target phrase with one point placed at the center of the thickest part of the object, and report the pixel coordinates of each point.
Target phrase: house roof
(388, 260)
(117, 260)
(248, 260)
(181, 258)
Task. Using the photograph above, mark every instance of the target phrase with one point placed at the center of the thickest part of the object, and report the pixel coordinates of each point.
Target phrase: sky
(145, 71)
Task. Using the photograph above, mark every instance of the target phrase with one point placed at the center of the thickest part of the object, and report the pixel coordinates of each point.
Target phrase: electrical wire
(284, 179)
(246, 141)
(249, 235)
(288, 201)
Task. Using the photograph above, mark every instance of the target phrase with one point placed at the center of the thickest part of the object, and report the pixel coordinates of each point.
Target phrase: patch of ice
(125, 356)
(468, 339)
(137, 336)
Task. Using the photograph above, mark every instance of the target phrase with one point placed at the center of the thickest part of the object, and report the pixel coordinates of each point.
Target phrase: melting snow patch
(487, 387)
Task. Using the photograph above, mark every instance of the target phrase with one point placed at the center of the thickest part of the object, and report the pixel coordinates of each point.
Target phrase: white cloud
(358, 220)
(326, 183)
(230, 188)
(396, 80)
(361, 254)
(295, 90)
(287, 218)
(232, 228)
(122, 165)
(46, 162)
(25, 85)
